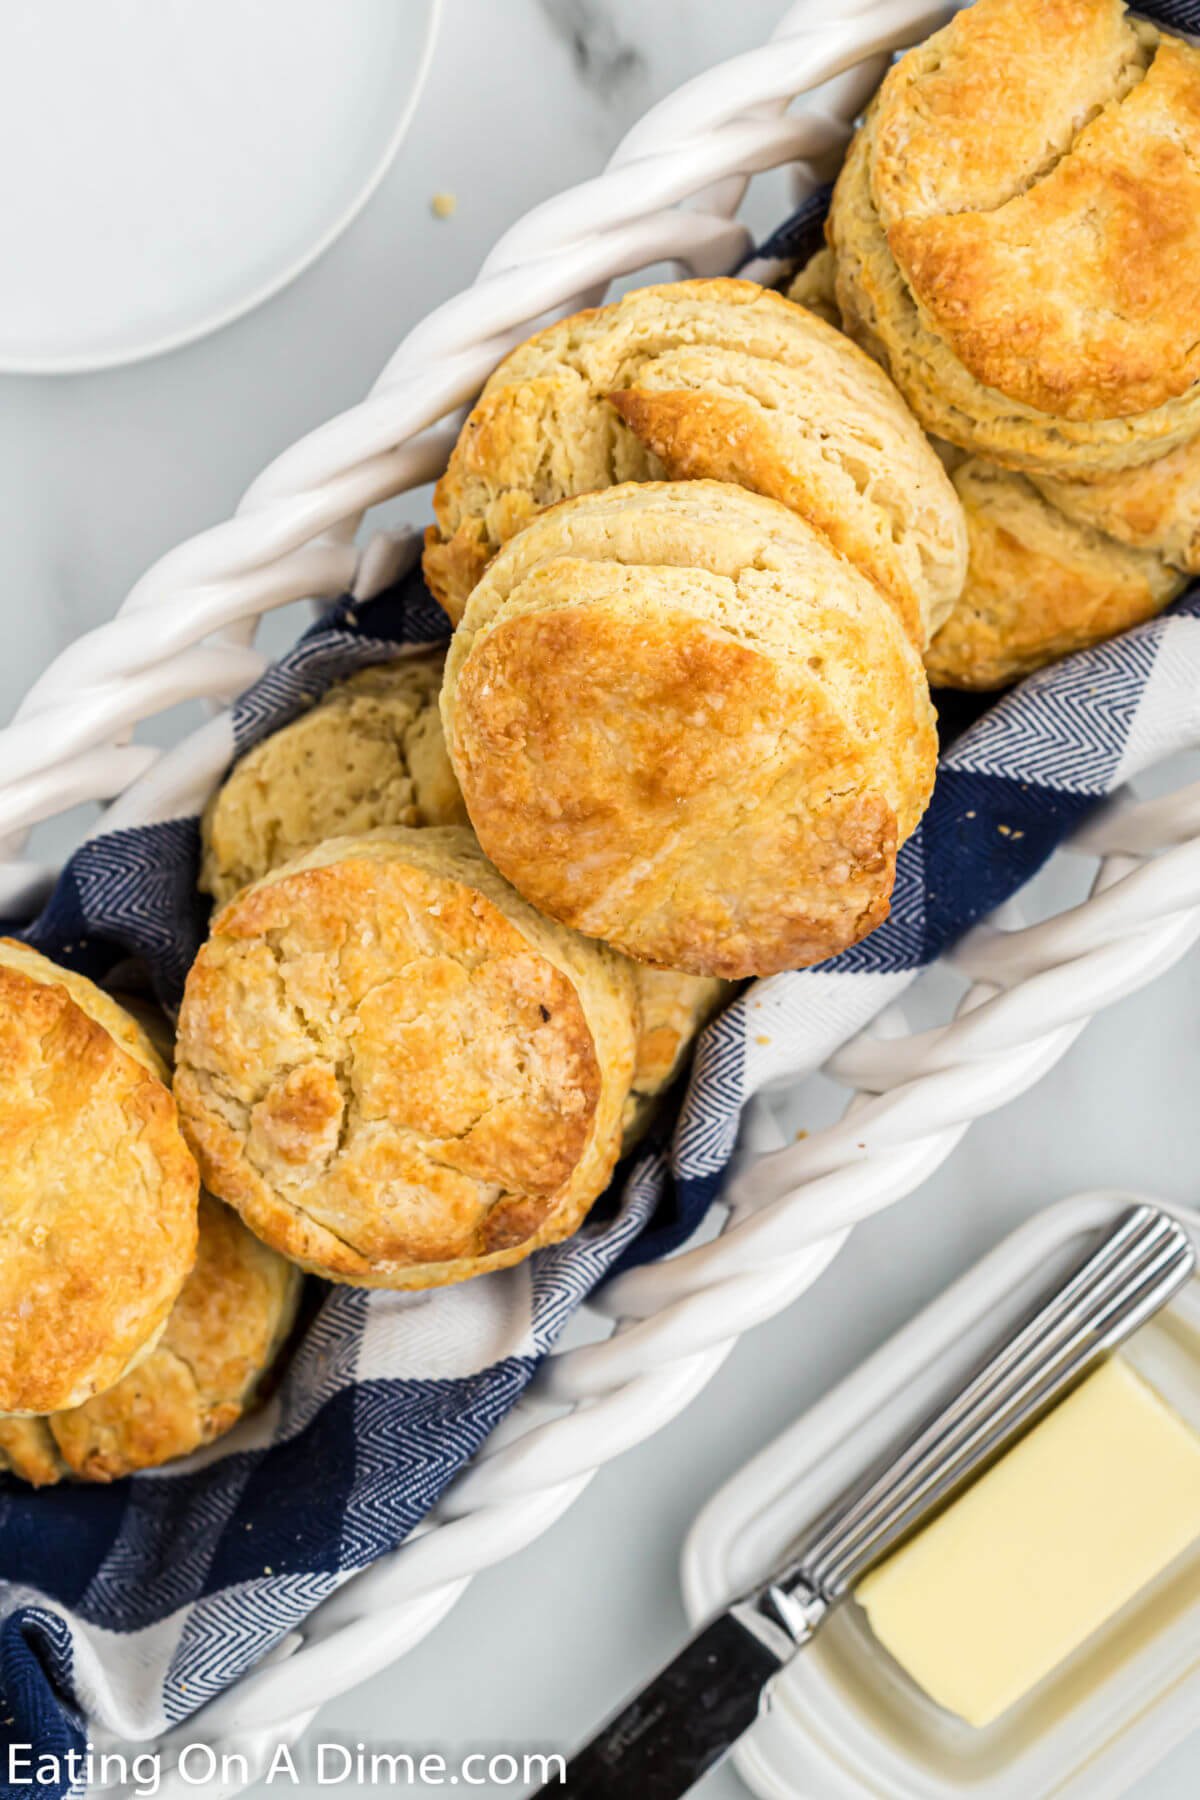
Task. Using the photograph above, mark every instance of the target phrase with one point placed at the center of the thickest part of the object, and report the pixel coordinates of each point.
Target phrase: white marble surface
(100, 474)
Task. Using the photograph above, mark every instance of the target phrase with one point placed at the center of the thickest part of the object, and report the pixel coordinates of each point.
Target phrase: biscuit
(814, 286)
(684, 724)
(369, 753)
(672, 1011)
(1029, 272)
(232, 1315)
(699, 379)
(1039, 585)
(99, 1189)
(1153, 507)
(396, 1071)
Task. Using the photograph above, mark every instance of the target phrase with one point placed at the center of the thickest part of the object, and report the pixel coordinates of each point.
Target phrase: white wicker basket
(187, 631)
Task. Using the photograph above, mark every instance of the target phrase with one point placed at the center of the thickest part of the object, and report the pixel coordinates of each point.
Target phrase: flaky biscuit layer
(1153, 507)
(1039, 585)
(702, 379)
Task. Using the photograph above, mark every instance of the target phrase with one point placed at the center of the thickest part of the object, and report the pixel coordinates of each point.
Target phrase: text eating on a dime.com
(327, 1763)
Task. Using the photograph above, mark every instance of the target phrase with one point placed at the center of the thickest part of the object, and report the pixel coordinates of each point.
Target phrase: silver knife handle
(785, 1612)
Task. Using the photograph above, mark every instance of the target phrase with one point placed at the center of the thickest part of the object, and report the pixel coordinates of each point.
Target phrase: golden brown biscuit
(1075, 286)
(815, 286)
(1017, 234)
(673, 1009)
(682, 723)
(369, 753)
(397, 1071)
(968, 115)
(698, 379)
(1039, 585)
(1154, 507)
(98, 1215)
(224, 1331)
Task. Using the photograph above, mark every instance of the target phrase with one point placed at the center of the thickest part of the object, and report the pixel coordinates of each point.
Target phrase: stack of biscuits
(1015, 236)
(703, 551)
(477, 903)
(138, 1318)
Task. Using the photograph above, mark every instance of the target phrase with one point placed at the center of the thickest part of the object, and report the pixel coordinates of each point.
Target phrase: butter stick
(1052, 1541)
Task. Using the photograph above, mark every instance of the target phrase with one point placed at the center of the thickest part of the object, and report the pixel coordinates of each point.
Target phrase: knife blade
(685, 1720)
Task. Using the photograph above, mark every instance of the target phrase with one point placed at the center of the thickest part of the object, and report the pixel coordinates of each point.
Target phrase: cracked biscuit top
(396, 1071)
(98, 1191)
(1017, 234)
(684, 724)
(369, 753)
(718, 379)
(232, 1316)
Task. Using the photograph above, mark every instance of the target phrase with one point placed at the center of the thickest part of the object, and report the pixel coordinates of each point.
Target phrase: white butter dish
(847, 1720)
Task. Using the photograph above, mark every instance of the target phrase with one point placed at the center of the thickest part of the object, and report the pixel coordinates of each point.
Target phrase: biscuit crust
(672, 1011)
(683, 724)
(717, 379)
(1077, 296)
(369, 753)
(814, 286)
(1153, 507)
(99, 1190)
(1017, 235)
(224, 1332)
(395, 1070)
(970, 115)
(1039, 585)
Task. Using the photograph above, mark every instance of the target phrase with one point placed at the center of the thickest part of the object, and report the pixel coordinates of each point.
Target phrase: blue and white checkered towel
(129, 1606)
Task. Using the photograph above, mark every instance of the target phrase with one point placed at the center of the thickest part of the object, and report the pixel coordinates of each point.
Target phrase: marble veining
(604, 59)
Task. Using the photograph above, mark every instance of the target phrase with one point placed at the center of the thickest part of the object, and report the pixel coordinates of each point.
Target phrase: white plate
(165, 165)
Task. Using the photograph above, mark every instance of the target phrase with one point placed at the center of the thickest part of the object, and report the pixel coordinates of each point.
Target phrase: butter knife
(679, 1727)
